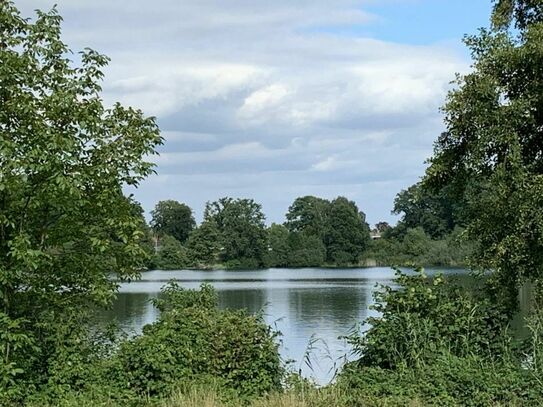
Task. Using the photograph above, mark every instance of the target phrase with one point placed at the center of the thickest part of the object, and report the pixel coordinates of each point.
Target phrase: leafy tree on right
(491, 156)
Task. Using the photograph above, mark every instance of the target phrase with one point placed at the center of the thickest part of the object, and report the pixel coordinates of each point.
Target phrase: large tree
(347, 233)
(278, 246)
(241, 224)
(65, 225)
(435, 212)
(173, 218)
(204, 245)
(491, 156)
(308, 214)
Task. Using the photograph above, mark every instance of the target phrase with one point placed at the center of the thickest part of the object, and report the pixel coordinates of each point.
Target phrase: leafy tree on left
(65, 224)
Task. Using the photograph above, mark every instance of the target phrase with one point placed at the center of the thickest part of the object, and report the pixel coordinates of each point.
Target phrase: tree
(347, 233)
(520, 13)
(171, 254)
(305, 250)
(174, 219)
(278, 249)
(308, 214)
(382, 227)
(241, 225)
(65, 225)
(147, 241)
(491, 156)
(204, 245)
(434, 212)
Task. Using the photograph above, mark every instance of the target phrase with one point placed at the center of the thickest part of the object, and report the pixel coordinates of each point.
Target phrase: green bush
(439, 344)
(426, 315)
(448, 381)
(413, 247)
(192, 339)
(171, 255)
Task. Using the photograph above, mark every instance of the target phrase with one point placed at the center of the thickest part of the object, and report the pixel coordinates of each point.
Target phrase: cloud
(269, 100)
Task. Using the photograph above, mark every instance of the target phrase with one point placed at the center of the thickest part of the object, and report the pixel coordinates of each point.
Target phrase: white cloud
(263, 99)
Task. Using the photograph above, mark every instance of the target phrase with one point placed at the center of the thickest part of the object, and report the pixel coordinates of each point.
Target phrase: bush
(171, 255)
(426, 315)
(192, 339)
(448, 381)
(436, 343)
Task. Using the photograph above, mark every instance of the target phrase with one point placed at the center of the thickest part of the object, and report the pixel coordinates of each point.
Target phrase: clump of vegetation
(414, 247)
(193, 338)
(435, 342)
(192, 344)
(425, 316)
(233, 235)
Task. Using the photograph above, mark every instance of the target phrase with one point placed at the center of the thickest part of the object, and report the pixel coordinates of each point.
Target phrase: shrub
(424, 316)
(448, 381)
(171, 256)
(192, 339)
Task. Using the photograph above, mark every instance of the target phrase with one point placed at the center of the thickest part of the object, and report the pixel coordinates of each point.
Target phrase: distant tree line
(431, 231)
(316, 233)
(233, 234)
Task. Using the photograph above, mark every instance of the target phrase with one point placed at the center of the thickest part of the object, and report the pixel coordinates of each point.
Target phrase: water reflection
(253, 300)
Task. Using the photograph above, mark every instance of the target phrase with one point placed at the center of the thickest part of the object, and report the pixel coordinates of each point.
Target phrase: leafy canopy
(491, 156)
(173, 218)
(240, 223)
(65, 158)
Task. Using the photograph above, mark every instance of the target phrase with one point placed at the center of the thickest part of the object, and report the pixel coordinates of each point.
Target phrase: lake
(308, 306)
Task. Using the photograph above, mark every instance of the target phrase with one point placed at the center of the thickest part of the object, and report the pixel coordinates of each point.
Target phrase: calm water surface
(323, 304)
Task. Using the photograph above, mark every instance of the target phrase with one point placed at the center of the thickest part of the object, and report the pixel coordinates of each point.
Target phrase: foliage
(347, 233)
(382, 227)
(174, 219)
(448, 381)
(338, 225)
(147, 241)
(435, 213)
(193, 338)
(308, 214)
(204, 245)
(436, 343)
(240, 223)
(416, 248)
(65, 224)
(171, 255)
(520, 13)
(427, 315)
(278, 250)
(491, 156)
(305, 250)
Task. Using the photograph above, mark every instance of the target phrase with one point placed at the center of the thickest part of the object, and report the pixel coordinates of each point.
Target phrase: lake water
(307, 305)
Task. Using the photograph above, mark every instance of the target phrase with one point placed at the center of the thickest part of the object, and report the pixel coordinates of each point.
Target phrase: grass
(326, 397)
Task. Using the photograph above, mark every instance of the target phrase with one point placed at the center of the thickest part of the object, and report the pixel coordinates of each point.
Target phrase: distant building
(375, 234)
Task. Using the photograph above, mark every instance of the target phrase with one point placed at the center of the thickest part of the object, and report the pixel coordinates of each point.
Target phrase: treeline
(431, 232)
(233, 234)
(317, 233)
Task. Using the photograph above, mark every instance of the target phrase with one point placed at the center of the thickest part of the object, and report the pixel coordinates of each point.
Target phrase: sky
(273, 100)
